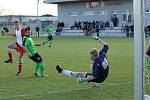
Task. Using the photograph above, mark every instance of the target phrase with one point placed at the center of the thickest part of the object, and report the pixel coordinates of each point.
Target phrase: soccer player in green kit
(32, 53)
(50, 31)
(147, 56)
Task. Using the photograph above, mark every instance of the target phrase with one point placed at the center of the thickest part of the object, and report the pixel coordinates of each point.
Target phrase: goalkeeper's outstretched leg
(70, 73)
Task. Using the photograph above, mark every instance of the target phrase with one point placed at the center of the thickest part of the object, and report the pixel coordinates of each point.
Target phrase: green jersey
(28, 43)
(50, 30)
(148, 65)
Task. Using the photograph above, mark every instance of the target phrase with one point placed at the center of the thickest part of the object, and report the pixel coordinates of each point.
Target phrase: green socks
(36, 69)
(40, 67)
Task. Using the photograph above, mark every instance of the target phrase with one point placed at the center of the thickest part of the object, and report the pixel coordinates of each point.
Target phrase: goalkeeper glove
(97, 38)
(81, 80)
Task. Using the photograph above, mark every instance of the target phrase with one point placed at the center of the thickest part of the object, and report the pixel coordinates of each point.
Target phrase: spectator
(107, 24)
(79, 25)
(115, 21)
(2, 30)
(148, 28)
(37, 31)
(127, 29)
(111, 22)
(59, 24)
(5, 29)
(62, 24)
(101, 25)
(130, 17)
(132, 30)
(90, 27)
(58, 31)
(97, 30)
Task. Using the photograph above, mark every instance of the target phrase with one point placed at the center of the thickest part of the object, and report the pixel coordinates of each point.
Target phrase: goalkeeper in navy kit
(100, 66)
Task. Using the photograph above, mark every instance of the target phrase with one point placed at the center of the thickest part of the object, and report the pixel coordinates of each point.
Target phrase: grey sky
(26, 7)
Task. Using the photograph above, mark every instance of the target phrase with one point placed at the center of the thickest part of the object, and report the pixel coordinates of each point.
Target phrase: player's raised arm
(105, 45)
(102, 42)
(99, 40)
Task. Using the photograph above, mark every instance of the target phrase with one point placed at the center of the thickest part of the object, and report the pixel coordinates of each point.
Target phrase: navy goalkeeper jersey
(101, 64)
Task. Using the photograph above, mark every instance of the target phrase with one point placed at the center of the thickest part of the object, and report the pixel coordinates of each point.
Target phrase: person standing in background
(50, 31)
(37, 32)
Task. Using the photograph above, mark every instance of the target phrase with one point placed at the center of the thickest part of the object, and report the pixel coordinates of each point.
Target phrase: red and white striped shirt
(19, 36)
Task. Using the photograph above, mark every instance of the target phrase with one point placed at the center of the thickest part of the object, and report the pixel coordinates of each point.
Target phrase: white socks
(70, 73)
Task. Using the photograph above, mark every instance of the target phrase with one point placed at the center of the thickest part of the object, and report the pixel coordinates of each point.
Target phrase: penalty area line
(44, 93)
(54, 92)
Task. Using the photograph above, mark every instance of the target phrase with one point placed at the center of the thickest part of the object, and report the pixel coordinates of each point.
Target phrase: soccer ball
(146, 97)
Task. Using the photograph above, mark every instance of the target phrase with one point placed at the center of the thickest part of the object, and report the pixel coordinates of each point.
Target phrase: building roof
(66, 1)
(63, 1)
(46, 15)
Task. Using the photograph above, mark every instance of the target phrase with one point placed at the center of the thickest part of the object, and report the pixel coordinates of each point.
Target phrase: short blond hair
(94, 52)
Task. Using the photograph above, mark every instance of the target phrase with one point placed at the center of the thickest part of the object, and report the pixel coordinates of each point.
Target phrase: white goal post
(138, 6)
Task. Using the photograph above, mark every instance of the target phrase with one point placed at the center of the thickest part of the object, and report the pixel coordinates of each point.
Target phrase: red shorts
(20, 50)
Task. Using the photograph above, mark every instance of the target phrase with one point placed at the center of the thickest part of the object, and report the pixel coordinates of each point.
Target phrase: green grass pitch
(71, 53)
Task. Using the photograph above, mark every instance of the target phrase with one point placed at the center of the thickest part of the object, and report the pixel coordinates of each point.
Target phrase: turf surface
(71, 53)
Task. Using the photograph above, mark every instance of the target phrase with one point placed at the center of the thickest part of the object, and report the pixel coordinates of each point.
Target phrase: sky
(26, 7)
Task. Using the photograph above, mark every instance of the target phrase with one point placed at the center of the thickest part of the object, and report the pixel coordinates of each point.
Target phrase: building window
(147, 11)
(147, 3)
(74, 14)
(88, 13)
(102, 13)
(114, 12)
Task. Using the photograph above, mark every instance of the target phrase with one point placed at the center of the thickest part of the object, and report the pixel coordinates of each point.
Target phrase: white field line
(54, 92)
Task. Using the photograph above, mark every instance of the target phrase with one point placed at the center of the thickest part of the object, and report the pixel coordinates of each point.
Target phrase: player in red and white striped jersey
(18, 46)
